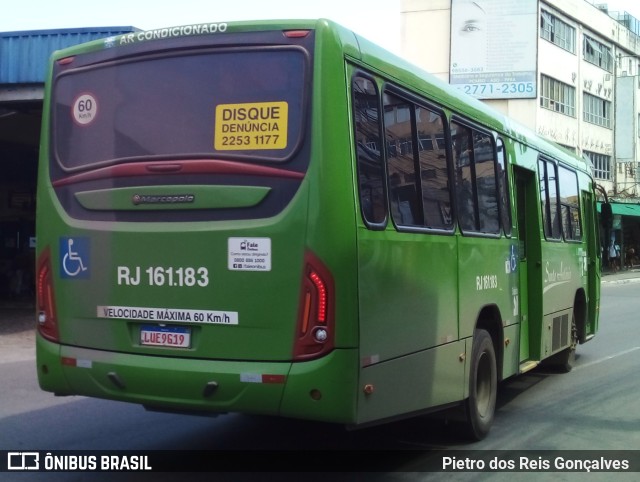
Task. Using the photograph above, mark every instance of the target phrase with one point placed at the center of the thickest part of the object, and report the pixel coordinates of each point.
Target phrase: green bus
(283, 218)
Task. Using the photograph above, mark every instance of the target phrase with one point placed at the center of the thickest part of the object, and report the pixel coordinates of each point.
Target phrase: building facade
(567, 69)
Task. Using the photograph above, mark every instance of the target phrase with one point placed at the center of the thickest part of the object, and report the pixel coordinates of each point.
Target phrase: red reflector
(43, 275)
(296, 33)
(306, 312)
(66, 60)
(273, 378)
(68, 362)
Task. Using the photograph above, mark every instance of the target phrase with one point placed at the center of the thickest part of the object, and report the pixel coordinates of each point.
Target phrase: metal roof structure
(24, 59)
(24, 54)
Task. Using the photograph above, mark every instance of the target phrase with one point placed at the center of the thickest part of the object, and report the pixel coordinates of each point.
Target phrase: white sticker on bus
(249, 254)
(85, 109)
(168, 315)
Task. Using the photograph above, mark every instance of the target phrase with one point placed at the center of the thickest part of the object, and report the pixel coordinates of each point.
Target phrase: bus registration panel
(173, 336)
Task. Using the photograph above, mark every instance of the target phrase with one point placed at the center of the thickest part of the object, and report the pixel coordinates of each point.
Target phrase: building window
(558, 32)
(596, 110)
(601, 165)
(597, 53)
(557, 96)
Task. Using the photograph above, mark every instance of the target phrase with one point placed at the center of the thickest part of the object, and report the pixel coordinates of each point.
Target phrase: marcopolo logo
(138, 199)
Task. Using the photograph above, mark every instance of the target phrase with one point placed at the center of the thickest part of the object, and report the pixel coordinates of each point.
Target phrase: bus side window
(463, 162)
(406, 208)
(569, 204)
(486, 184)
(503, 187)
(475, 162)
(549, 199)
(367, 121)
(434, 169)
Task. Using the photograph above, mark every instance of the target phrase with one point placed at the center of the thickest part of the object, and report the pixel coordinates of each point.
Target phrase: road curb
(621, 281)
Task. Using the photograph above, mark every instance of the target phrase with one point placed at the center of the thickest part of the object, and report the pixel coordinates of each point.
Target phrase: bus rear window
(228, 103)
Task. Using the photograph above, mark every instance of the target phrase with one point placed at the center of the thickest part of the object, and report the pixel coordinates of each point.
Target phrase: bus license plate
(173, 336)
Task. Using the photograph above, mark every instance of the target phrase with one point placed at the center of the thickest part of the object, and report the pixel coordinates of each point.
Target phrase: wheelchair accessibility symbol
(75, 254)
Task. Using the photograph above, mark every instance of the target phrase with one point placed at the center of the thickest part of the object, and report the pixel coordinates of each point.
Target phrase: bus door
(530, 264)
(592, 261)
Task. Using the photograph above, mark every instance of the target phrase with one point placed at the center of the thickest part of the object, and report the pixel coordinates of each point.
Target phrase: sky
(377, 20)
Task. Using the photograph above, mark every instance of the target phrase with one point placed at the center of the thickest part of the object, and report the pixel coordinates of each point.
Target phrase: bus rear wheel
(483, 380)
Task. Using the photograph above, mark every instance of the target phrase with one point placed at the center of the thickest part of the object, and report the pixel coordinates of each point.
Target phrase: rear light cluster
(47, 322)
(315, 331)
(296, 33)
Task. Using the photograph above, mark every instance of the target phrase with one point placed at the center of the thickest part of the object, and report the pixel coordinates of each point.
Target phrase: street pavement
(17, 333)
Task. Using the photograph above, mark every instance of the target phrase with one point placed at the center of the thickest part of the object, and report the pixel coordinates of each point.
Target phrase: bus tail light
(296, 33)
(66, 60)
(315, 328)
(47, 321)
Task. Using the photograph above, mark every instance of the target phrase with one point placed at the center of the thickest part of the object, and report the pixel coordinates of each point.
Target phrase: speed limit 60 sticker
(85, 109)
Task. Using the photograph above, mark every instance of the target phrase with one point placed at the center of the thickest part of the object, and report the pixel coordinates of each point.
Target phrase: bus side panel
(323, 389)
(488, 276)
(412, 383)
(562, 276)
(407, 292)
(407, 288)
(511, 356)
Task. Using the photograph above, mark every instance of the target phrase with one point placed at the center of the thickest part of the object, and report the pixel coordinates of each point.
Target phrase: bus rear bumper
(322, 389)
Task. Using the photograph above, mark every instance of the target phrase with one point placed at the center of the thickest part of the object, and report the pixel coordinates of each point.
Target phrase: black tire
(483, 386)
